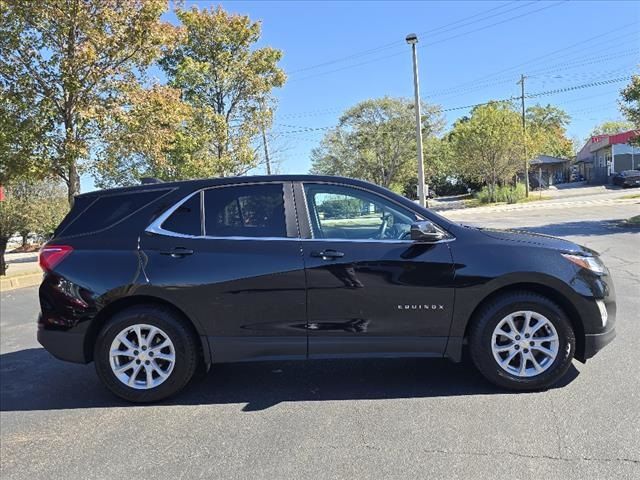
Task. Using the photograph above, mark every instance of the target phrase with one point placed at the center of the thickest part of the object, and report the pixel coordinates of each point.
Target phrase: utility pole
(412, 39)
(524, 139)
(265, 144)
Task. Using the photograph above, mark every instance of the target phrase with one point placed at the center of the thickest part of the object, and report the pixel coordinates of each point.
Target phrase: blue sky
(339, 53)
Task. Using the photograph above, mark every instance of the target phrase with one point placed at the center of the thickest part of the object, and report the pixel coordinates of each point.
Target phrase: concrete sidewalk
(23, 271)
(603, 198)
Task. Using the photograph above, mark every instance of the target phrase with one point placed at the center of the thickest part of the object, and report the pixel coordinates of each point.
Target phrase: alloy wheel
(525, 343)
(142, 356)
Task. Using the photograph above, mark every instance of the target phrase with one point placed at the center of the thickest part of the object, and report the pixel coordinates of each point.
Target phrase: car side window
(245, 211)
(338, 212)
(186, 218)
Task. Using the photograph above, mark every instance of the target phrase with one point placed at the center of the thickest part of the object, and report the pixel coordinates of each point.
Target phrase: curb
(536, 205)
(20, 281)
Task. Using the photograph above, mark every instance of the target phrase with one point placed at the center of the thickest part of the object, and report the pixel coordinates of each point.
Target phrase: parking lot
(405, 418)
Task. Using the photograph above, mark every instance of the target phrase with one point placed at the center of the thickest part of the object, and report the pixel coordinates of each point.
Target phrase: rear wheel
(522, 341)
(145, 354)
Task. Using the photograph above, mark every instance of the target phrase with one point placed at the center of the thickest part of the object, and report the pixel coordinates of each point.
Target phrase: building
(605, 155)
(550, 170)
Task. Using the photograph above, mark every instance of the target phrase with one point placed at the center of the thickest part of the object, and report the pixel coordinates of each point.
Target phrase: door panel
(248, 294)
(374, 295)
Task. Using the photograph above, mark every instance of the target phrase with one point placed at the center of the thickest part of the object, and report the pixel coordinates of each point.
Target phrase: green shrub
(505, 193)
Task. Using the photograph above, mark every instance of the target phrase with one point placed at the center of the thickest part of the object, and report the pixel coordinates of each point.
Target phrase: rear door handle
(328, 254)
(177, 252)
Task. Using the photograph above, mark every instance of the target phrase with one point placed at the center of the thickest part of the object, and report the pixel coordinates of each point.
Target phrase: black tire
(184, 342)
(481, 332)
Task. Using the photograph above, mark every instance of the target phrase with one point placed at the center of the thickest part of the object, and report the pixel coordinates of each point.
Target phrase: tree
(226, 81)
(10, 220)
(145, 136)
(631, 105)
(71, 57)
(611, 128)
(23, 124)
(547, 131)
(375, 141)
(488, 145)
(30, 207)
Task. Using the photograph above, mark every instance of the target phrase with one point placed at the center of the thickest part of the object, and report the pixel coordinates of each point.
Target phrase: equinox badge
(420, 307)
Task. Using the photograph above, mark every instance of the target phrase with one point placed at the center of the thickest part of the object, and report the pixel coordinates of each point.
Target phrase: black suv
(151, 281)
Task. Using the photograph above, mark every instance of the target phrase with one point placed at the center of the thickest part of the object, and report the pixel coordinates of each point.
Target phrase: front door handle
(177, 252)
(328, 254)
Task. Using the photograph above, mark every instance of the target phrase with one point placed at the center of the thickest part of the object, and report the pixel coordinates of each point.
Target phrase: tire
(489, 342)
(171, 355)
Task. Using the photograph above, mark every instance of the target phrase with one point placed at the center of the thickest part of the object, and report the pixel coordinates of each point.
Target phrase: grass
(633, 195)
(475, 202)
(634, 221)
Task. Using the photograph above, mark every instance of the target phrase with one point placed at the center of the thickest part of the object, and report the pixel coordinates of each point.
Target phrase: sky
(337, 54)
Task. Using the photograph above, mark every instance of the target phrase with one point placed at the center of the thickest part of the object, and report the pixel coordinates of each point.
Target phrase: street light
(412, 39)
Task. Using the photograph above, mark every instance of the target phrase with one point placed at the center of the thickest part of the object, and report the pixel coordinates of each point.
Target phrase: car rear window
(186, 218)
(106, 211)
(245, 211)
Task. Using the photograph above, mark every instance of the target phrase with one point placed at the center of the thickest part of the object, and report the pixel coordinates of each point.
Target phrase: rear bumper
(593, 343)
(63, 345)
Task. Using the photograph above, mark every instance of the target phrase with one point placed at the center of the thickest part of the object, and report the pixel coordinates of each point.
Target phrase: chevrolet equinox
(152, 281)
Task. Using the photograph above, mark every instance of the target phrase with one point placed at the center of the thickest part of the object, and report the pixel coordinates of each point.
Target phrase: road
(409, 418)
(564, 194)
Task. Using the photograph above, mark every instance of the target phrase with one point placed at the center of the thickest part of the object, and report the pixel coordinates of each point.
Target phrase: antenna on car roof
(149, 180)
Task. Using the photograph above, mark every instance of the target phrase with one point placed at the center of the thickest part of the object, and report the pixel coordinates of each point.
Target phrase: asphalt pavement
(406, 418)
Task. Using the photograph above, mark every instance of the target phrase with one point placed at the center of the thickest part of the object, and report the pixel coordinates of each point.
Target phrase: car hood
(538, 239)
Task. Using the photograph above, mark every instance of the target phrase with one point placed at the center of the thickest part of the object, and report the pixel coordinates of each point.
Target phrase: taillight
(52, 255)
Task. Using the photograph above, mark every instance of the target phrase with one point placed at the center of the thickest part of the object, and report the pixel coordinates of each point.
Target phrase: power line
(503, 100)
(546, 56)
(551, 76)
(386, 46)
(428, 44)
(579, 87)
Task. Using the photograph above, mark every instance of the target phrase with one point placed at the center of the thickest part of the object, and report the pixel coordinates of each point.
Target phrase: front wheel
(145, 354)
(522, 341)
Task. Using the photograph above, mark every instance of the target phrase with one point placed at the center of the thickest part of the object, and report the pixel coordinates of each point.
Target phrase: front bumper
(595, 342)
(63, 345)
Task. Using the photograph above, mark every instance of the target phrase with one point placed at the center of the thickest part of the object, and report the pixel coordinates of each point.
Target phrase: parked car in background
(152, 281)
(627, 178)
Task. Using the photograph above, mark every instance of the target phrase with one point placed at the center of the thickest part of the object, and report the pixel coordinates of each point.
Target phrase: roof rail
(150, 180)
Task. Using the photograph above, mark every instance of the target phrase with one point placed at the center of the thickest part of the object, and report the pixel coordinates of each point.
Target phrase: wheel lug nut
(137, 362)
(135, 352)
(144, 347)
(147, 362)
(151, 354)
(517, 337)
(517, 347)
(526, 350)
(532, 344)
(526, 335)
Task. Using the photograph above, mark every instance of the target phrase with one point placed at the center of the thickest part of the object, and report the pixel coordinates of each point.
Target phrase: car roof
(206, 182)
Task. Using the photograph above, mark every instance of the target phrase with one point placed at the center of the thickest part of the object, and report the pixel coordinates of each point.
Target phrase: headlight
(593, 264)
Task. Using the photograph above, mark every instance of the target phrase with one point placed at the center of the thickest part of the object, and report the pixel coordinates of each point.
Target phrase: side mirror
(426, 232)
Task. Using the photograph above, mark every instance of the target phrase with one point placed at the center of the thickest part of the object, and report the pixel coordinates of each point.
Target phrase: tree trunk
(25, 238)
(3, 248)
(73, 185)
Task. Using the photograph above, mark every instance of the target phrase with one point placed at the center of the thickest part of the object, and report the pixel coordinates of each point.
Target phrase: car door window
(186, 218)
(338, 212)
(245, 211)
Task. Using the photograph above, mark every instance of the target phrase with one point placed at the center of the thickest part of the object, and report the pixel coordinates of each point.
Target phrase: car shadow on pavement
(33, 380)
(586, 228)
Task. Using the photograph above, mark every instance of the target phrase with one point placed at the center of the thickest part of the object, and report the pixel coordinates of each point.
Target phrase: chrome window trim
(419, 217)
(156, 226)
